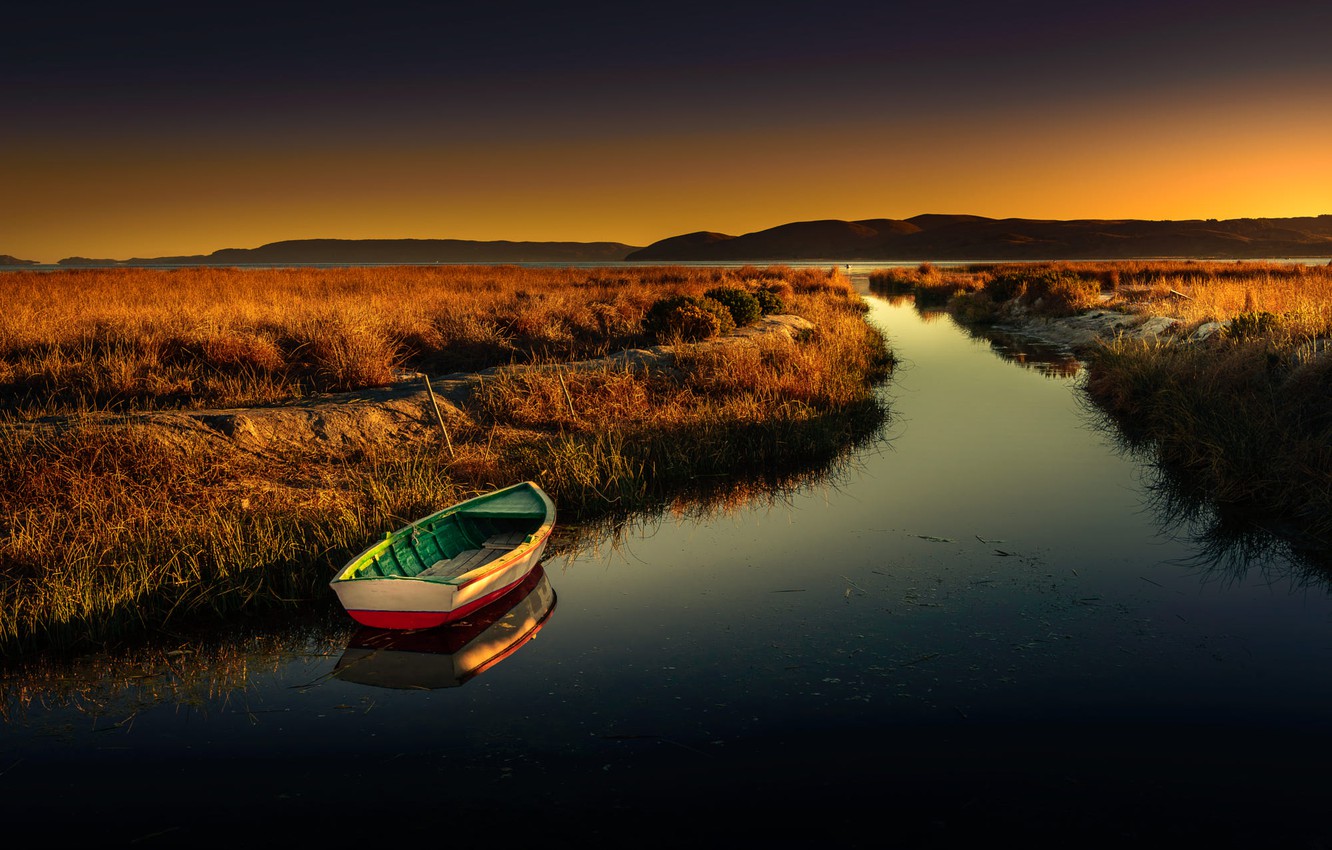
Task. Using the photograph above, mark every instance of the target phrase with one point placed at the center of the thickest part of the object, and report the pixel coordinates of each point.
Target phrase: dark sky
(152, 128)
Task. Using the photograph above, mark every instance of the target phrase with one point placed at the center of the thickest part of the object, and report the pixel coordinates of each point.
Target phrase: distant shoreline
(856, 265)
(929, 238)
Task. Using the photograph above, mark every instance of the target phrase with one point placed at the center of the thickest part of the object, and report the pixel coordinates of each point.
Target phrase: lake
(980, 625)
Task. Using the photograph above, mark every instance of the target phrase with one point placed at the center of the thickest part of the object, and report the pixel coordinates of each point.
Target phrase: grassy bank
(1241, 419)
(136, 339)
(1245, 419)
(169, 667)
(111, 532)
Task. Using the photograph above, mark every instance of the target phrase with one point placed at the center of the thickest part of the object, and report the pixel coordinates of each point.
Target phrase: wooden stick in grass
(568, 398)
(439, 416)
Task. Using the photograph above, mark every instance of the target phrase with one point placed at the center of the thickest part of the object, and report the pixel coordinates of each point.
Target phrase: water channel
(978, 625)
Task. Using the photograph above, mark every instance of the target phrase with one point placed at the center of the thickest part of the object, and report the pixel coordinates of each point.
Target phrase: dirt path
(398, 412)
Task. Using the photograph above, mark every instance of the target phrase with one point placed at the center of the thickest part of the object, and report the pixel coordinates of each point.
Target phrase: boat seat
(463, 562)
(505, 540)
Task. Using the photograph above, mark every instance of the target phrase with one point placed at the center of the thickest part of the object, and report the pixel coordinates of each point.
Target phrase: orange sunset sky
(145, 129)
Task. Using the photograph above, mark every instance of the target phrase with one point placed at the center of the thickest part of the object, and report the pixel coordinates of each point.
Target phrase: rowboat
(455, 653)
(445, 566)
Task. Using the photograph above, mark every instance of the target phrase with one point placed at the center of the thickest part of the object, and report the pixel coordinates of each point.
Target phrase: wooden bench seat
(463, 562)
(505, 540)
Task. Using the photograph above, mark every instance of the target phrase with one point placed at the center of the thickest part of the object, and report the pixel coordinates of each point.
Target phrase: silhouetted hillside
(86, 261)
(919, 238)
(10, 260)
(968, 237)
(413, 251)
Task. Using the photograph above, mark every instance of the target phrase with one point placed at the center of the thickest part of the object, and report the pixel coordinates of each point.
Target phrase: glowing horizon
(606, 134)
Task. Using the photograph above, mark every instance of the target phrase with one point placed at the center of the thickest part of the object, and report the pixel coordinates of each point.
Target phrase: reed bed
(1244, 417)
(141, 339)
(111, 533)
(175, 668)
(1245, 420)
(1195, 292)
(1241, 420)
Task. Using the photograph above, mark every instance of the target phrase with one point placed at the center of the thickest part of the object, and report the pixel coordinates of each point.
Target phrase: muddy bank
(1085, 330)
(402, 411)
(1081, 333)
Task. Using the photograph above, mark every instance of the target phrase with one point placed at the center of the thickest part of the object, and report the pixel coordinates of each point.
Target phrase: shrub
(656, 319)
(769, 302)
(692, 322)
(743, 307)
(725, 322)
(1253, 325)
(688, 317)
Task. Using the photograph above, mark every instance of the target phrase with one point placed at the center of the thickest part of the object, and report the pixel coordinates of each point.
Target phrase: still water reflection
(453, 654)
(977, 627)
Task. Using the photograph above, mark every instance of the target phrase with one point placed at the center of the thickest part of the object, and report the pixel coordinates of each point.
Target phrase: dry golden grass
(218, 337)
(1191, 291)
(1242, 421)
(1204, 292)
(113, 531)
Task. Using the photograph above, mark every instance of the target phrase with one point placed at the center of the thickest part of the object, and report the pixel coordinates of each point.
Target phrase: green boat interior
(447, 545)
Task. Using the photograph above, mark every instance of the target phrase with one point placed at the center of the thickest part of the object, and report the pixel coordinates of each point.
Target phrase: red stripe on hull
(426, 619)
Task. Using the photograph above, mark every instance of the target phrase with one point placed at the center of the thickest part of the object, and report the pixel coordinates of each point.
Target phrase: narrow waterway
(978, 626)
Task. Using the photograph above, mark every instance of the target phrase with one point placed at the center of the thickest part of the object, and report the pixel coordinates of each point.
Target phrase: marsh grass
(1242, 419)
(930, 285)
(143, 339)
(1192, 291)
(184, 667)
(1248, 420)
(114, 532)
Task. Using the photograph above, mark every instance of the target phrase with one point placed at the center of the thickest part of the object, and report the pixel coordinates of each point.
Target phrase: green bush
(769, 302)
(1253, 325)
(725, 321)
(692, 322)
(743, 307)
(657, 320)
(688, 318)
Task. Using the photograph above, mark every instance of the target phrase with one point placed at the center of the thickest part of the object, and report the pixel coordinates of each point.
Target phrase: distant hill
(86, 261)
(920, 238)
(398, 251)
(970, 237)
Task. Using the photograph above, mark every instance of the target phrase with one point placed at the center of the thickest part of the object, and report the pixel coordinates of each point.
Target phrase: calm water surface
(979, 627)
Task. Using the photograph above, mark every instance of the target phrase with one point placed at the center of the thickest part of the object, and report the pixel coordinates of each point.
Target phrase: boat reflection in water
(452, 654)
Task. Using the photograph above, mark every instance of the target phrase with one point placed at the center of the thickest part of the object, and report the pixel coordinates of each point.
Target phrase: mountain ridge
(407, 251)
(921, 238)
(935, 236)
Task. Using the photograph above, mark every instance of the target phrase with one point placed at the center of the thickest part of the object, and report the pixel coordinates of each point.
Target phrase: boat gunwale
(535, 538)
